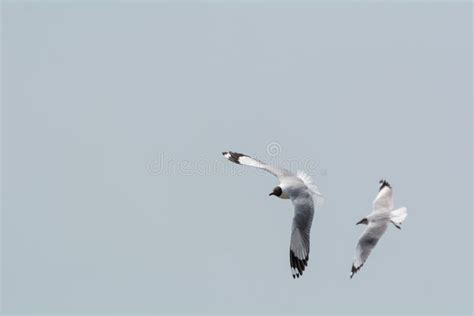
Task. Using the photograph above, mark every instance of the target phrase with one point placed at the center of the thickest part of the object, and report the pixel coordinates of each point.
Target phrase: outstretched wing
(242, 159)
(384, 200)
(367, 242)
(300, 231)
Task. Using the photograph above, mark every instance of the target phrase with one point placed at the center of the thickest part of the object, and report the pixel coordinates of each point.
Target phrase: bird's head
(277, 191)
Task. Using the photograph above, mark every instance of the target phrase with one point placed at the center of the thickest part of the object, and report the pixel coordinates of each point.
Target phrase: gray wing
(242, 159)
(367, 242)
(300, 231)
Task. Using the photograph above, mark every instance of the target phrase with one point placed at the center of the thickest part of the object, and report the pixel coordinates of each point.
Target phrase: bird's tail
(318, 198)
(398, 216)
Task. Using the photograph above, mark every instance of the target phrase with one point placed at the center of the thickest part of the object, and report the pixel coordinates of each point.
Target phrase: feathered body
(303, 193)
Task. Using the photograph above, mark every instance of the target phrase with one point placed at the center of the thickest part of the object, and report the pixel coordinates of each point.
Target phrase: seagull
(377, 222)
(303, 193)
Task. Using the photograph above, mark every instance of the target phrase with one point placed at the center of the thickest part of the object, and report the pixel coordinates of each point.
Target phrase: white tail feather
(308, 181)
(398, 216)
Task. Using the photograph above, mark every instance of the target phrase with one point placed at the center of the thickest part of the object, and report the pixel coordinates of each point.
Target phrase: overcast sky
(115, 195)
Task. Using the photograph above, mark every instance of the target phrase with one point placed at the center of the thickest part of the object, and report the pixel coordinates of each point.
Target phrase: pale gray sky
(115, 196)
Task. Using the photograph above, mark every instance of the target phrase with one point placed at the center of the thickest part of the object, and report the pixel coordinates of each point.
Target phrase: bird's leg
(397, 226)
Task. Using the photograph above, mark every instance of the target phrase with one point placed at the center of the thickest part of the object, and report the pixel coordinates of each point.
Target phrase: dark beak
(362, 221)
(271, 194)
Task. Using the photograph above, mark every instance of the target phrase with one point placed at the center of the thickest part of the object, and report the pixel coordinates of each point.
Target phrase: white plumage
(377, 222)
(303, 193)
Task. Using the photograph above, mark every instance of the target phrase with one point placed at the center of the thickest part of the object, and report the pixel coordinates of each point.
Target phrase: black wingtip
(298, 265)
(232, 156)
(383, 184)
(355, 269)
